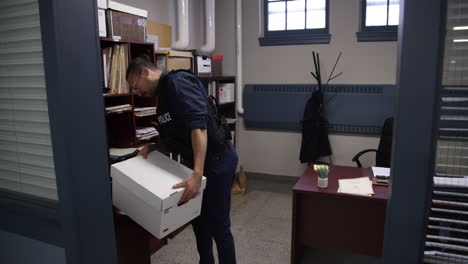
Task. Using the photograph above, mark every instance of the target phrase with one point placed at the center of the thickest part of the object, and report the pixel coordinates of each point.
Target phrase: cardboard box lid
(152, 179)
(127, 9)
(175, 53)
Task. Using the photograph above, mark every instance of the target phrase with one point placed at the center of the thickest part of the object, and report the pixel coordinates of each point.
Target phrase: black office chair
(384, 150)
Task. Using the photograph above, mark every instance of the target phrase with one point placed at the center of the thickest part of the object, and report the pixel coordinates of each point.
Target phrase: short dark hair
(136, 65)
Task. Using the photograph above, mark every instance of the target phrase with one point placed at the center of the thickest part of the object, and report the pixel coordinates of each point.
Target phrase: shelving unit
(228, 110)
(121, 127)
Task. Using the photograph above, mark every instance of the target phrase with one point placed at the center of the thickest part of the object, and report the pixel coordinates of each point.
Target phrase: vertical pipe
(209, 26)
(182, 41)
(240, 108)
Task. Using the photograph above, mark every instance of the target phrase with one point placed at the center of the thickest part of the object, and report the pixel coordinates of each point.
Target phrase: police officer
(188, 126)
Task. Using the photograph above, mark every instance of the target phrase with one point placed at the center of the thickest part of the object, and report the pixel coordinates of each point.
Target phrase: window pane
(316, 14)
(376, 13)
(276, 16)
(393, 12)
(296, 14)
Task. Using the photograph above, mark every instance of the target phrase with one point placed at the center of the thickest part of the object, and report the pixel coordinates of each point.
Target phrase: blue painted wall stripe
(355, 108)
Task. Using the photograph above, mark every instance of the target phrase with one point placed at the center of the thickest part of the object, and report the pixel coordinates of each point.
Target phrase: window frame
(375, 33)
(295, 36)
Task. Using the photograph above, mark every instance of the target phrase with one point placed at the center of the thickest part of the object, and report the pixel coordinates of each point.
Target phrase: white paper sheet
(359, 186)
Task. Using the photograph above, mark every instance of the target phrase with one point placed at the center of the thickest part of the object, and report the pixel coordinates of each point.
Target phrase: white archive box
(226, 93)
(102, 22)
(142, 189)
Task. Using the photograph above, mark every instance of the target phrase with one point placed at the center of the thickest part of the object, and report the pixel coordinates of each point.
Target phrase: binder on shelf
(118, 108)
(116, 61)
(144, 111)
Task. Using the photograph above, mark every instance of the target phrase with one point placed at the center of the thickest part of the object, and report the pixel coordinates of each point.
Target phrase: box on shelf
(217, 65)
(226, 93)
(173, 60)
(159, 34)
(142, 189)
(201, 63)
(126, 22)
(102, 4)
(102, 22)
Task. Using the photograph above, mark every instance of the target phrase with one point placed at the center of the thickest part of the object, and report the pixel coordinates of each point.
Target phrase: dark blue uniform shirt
(182, 107)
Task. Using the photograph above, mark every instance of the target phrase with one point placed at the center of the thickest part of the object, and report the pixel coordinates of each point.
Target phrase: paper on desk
(381, 171)
(359, 186)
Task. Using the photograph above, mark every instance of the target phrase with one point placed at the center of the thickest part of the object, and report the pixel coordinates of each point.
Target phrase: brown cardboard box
(173, 60)
(163, 32)
(127, 26)
(126, 22)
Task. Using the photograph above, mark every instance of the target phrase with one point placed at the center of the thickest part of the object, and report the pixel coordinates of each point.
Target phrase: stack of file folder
(144, 133)
(358, 186)
(145, 111)
(118, 108)
(115, 61)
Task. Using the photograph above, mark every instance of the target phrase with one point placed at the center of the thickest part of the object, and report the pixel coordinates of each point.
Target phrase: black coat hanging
(315, 142)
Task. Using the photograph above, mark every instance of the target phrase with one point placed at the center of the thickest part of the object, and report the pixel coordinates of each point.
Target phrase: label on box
(141, 22)
(204, 65)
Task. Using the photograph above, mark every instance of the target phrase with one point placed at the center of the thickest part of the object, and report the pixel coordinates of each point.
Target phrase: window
(295, 22)
(26, 158)
(379, 20)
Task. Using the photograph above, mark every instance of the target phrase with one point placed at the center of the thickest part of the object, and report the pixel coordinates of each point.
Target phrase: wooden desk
(323, 218)
(135, 245)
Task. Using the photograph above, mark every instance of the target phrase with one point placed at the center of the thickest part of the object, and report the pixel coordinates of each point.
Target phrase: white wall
(362, 63)
(226, 34)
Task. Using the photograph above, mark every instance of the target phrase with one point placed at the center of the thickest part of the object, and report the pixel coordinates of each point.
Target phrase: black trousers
(214, 221)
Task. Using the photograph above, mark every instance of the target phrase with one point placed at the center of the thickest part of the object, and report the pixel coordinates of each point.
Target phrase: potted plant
(322, 173)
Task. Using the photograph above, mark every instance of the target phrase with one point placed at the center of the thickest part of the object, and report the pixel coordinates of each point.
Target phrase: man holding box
(189, 126)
